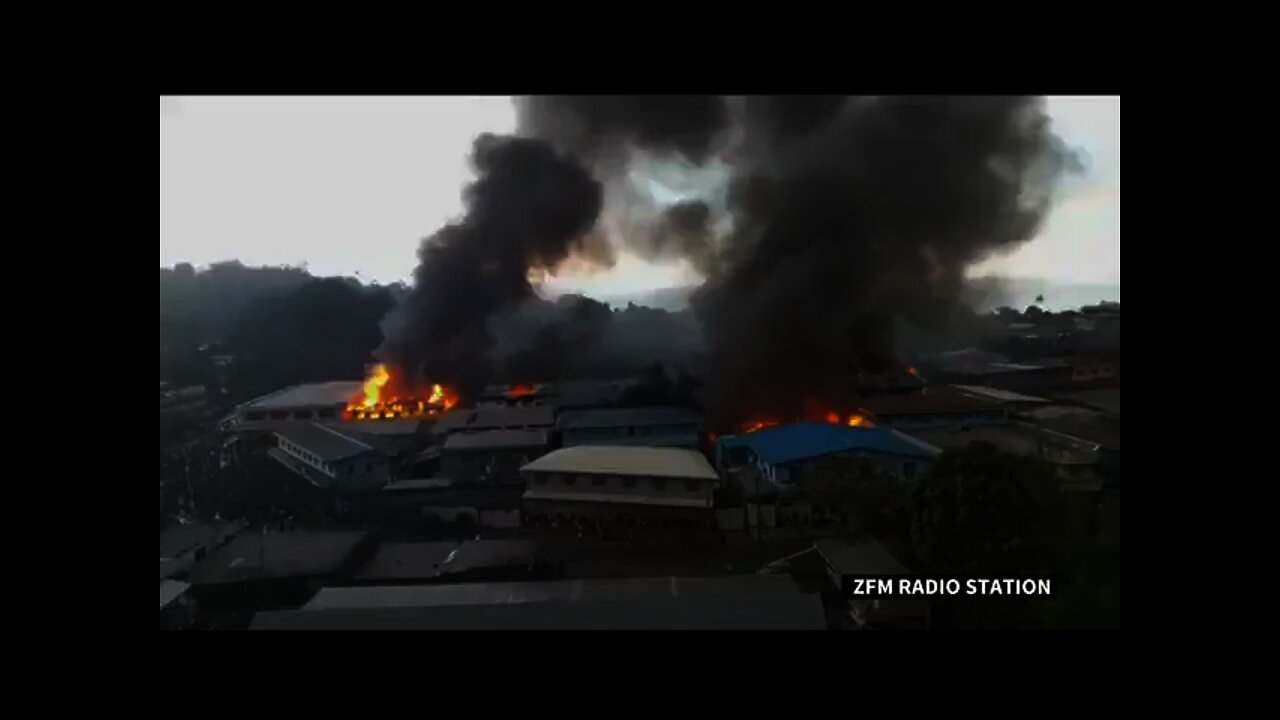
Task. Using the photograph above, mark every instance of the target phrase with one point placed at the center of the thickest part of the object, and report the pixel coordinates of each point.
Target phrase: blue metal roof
(800, 441)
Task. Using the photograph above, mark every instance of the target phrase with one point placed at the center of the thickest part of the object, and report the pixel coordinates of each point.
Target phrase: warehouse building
(652, 426)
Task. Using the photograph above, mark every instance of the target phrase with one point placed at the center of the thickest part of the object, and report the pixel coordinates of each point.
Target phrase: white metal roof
(616, 460)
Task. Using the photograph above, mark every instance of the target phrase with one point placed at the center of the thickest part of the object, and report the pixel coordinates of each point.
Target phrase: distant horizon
(1023, 289)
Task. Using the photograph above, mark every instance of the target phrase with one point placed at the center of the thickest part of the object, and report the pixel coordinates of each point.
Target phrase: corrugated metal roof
(503, 593)
(752, 612)
(309, 395)
(751, 602)
(279, 555)
(492, 417)
(614, 460)
(627, 417)
(496, 439)
(800, 441)
(324, 442)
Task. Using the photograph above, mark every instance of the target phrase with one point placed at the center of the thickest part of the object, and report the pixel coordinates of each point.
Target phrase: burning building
(816, 222)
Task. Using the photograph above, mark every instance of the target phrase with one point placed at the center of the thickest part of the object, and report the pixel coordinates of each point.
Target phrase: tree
(860, 492)
(980, 512)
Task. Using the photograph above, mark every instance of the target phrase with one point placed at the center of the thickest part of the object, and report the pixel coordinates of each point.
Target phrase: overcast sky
(350, 185)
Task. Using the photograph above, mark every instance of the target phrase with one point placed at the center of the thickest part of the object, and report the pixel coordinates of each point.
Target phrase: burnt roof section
(627, 417)
(326, 443)
(504, 392)
(282, 555)
(496, 440)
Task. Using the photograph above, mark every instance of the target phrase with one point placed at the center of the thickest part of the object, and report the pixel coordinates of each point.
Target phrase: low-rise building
(653, 426)
(1075, 461)
(783, 456)
(306, 403)
(601, 482)
(491, 455)
(328, 458)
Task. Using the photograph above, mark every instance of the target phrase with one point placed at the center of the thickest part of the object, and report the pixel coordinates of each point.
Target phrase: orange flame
(912, 371)
(384, 396)
(520, 390)
(373, 386)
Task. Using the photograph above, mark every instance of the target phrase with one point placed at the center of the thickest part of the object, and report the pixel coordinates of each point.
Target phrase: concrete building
(599, 483)
(328, 458)
(652, 426)
(491, 456)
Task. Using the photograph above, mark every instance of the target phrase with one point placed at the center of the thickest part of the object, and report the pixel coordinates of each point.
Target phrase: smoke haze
(818, 223)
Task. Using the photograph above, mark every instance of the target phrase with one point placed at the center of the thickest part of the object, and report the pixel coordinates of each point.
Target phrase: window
(327, 413)
(659, 483)
(597, 481)
(280, 415)
(540, 479)
(570, 480)
(254, 416)
(301, 414)
(691, 485)
(628, 482)
(909, 469)
(350, 469)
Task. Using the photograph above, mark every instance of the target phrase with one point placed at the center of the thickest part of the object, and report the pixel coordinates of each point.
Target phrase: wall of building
(654, 435)
(617, 484)
(370, 470)
(792, 474)
(486, 466)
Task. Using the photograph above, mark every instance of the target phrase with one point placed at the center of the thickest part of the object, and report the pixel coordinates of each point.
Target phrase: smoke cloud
(818, 223)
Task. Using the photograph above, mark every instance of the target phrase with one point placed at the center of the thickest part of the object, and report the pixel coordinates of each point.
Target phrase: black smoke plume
(528, 209)
(825, 221)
